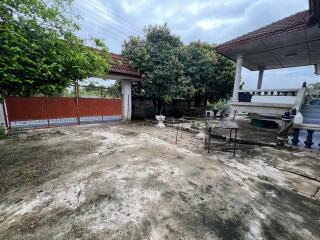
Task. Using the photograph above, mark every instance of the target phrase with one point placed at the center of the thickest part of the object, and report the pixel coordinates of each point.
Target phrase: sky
(213, 21)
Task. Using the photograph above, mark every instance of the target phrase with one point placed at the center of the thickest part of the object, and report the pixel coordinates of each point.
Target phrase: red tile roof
(291, 23)
(120, 66)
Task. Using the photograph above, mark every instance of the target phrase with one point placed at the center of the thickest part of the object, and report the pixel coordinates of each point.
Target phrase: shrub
(218, 106)
(2, 131)
(221, 106)
(210, 106)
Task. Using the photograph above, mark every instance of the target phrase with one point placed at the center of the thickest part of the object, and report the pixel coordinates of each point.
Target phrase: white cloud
(214, 23)
(134, 6)
(197, 7)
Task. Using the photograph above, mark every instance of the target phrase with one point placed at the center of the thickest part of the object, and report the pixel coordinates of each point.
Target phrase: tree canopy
(39, 51)
(157, 57)
(199, 61)
(172, 70)
(209, 76)
(315, 87)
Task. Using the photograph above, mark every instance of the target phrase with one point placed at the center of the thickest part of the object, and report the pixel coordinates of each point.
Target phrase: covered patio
(291, 42)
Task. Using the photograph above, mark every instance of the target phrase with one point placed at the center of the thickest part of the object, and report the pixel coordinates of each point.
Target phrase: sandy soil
(134, 182)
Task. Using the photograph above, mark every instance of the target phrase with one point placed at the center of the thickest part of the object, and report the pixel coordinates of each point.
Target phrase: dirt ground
(134, 182)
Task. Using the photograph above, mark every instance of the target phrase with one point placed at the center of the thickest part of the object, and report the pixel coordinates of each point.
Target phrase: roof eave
(128, 75)
(222, 47)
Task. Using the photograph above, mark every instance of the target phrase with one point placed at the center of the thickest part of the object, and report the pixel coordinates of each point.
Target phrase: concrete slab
(317, 196)
(134, 182)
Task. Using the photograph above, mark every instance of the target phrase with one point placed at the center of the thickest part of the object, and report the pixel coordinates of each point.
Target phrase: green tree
(172, 70)
(314, 88)
(199, 60)
(114, 91)
(222, 85)
(92, 89)
(208, 75)
(39, 52)
(157, 57)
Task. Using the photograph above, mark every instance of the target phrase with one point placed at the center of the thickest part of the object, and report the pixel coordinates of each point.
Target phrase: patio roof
(290, 42)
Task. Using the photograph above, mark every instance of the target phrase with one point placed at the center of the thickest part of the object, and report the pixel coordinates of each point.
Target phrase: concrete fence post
(2, 121)
(3, 116)
(76, 91)
(126, 100)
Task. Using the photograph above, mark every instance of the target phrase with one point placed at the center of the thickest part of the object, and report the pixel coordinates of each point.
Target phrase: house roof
(120, 66)
(290, 42)
(291, 23)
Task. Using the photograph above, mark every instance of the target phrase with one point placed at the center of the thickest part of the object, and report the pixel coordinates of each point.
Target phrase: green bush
(221, 106)
(2, 131)
(218, 106)
(210, 106)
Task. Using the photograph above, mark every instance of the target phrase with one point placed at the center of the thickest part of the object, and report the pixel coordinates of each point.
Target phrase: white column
(2, 122)
(2, 117)
(237, 79)
(317, 69)
(126, 100)
(259, 85)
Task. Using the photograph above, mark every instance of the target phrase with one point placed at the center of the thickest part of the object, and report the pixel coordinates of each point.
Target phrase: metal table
(232, 126)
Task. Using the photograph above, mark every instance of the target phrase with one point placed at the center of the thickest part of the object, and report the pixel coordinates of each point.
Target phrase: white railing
(269, 101)
(269, 96)
(272, 92)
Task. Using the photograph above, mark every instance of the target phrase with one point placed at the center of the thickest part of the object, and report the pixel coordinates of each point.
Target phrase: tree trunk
(160, 105)
(155, 105)
(197, 100)
(205, 101)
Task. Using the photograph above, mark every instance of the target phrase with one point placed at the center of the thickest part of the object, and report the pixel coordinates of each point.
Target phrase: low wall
(144, 108)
